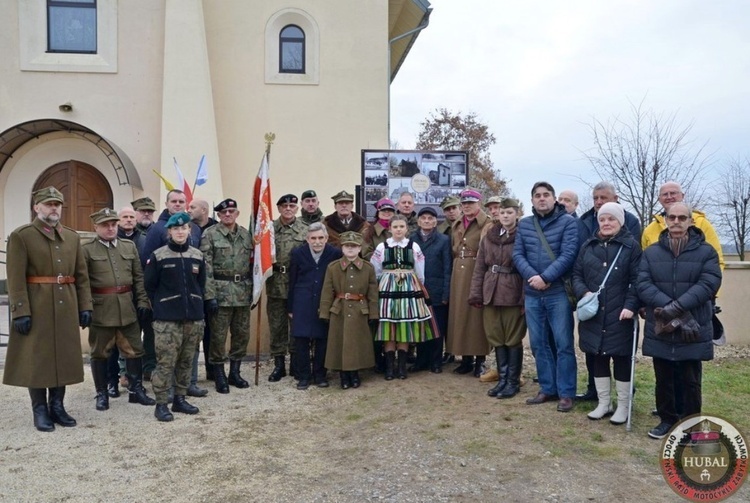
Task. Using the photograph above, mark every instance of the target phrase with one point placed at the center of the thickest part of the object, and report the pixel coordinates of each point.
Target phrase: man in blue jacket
(545, 251)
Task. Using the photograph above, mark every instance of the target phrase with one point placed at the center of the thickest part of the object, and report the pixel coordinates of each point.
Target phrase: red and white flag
(182, 184)
(263, 235)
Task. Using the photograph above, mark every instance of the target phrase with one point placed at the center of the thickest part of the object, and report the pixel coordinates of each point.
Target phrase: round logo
(704, 458)
(420, 183)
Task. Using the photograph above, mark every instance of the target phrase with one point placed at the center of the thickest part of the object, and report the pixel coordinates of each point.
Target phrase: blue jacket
(438, 265)
(588, 225)
(157, 237)
(305, 286)
(531, 257)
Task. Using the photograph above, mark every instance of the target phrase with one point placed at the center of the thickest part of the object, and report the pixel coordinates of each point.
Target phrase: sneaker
(660, 431)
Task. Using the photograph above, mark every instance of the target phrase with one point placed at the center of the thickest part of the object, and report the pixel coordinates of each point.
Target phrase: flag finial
(269, 137)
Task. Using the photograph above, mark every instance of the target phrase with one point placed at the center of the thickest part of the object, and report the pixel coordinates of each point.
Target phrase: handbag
(589, 305)
(567, 283)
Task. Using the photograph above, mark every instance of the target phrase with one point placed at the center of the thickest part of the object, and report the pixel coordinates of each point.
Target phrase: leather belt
(237, 278)
(279, 268)
(351, 296)
(51, 280)
(502, 269)
(467, 254)
(111, 289)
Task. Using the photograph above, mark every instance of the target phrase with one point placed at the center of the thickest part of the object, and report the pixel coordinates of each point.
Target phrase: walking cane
(628, 426)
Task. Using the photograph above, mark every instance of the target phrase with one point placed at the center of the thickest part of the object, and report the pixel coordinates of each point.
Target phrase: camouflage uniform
(310, 218)
(287, 237)
(229, 281)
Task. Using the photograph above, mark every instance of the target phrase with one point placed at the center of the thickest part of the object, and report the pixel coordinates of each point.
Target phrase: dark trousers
(430, 353)
(673, 378)
(600, 366)
(149, 350)
(301, 358)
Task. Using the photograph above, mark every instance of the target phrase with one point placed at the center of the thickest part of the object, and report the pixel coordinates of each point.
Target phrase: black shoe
(113, 389)
(660, 431)
(479, 366)
(589, 396)
(136, 391)
(515, 362)
(161, 413)
(102, 400)
(56, 408)
(220, 379)
(390, 362)
(42, 421)
(323, 383)
(99, 374)
(436, 369)
(235, 379)
(181, 405)
(194, 390)
(303, 384)
(403, 358)
(466, 366)
(279, 369)
(501, 357)
(346, 381)
(354, 377)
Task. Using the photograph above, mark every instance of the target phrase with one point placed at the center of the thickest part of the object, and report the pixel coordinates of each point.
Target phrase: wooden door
(84, 189)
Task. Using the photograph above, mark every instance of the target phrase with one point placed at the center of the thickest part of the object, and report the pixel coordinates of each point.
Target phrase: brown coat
(50, 355)
(374, 235)
(465, 324)
(502, 287)
(335, 227)
(349, 337)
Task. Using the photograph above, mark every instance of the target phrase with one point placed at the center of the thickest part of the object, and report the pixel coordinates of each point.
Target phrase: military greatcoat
(349, 336)
(50, 355)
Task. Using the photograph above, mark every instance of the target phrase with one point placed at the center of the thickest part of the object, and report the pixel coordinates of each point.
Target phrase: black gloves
(428, 301)
(671, 311)
(144, 314)
(324, 321)
(84, 319)
(373, 323)
(22, 325)
(211, 307)
(691, 330)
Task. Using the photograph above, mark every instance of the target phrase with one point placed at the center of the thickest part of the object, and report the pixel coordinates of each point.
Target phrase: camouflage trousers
(127, 339)
(176, 343)
(278, 326)
(236, 321)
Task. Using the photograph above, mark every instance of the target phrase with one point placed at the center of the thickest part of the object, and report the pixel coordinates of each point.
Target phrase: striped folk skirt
(404, 315)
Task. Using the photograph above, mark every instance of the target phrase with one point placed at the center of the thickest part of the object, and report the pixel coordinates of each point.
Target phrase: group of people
(347, 294)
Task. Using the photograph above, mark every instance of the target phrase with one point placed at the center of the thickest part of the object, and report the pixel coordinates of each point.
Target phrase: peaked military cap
(494, 200)
(226, 204)
(144, 203)
(449, 201)
(509, 202)
(343, 197)
(287, 199)
(104, 215)
(48, 194)
(470, 196)
(178, 219)
(309, 193)
(350, 238)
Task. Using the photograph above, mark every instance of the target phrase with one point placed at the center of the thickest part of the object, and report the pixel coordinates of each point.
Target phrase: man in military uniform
(343, 219)
(451, 206)
(48, 289)
(290, 232)
(144, 215)
(116, 277)
(226, 248)
(310, 212)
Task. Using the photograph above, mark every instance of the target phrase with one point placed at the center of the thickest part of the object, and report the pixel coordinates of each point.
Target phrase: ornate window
(71, 26)
(292, 50)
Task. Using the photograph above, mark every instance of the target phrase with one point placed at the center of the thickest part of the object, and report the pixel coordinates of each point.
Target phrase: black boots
(42, 421)
(136, 391)
(179, 404)
(57, 410)
(220, 379)
(390, 360)
(479, 366)
(354, 377)
(279, 369)
(515, 362)
(501, 356)
(466, 366)
(403, 357)
(99, 373)
(346, 379)
(161, 413)
(235, 379)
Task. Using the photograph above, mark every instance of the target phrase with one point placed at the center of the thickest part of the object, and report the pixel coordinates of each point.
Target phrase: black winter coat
(438, 265)
(175, 281)
(605, 333)
(692, 278)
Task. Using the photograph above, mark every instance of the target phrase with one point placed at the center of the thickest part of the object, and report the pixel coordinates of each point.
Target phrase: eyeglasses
(681, 218)
(226, 212)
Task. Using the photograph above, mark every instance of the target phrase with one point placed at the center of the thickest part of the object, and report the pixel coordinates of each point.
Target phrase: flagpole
(269, 137)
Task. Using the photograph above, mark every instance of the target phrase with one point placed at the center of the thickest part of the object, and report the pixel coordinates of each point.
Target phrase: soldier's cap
(178, 219)
(427, 210)
(449, 201)
(226, 204)
(144, 203)
(509, 202)
(470, 196)
(350, 238)
(385, 204)
(104, 215)
(309, 193)
(493, 200)
(343, 197)
(48, 194)
(287, 199)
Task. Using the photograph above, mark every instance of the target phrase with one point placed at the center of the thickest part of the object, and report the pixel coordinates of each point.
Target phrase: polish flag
(182, 183)
(263, 235)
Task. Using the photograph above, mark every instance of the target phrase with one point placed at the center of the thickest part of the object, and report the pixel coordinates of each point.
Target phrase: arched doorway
(84, 188)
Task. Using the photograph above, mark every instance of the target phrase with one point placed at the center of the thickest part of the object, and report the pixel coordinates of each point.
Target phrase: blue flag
(202, 176)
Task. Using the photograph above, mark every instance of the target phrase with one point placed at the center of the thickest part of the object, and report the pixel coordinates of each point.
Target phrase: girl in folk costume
(404, 312)
(497, 289)
(349, 303)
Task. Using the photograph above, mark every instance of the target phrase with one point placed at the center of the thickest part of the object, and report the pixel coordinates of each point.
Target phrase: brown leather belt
(351, 296)
(237, 278)
(466, 254)
(51, 280)
(111, 289)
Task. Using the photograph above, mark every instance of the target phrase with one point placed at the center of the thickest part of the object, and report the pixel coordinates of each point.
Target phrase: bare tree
(731, 202)
(645, 150)
(444, 130)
